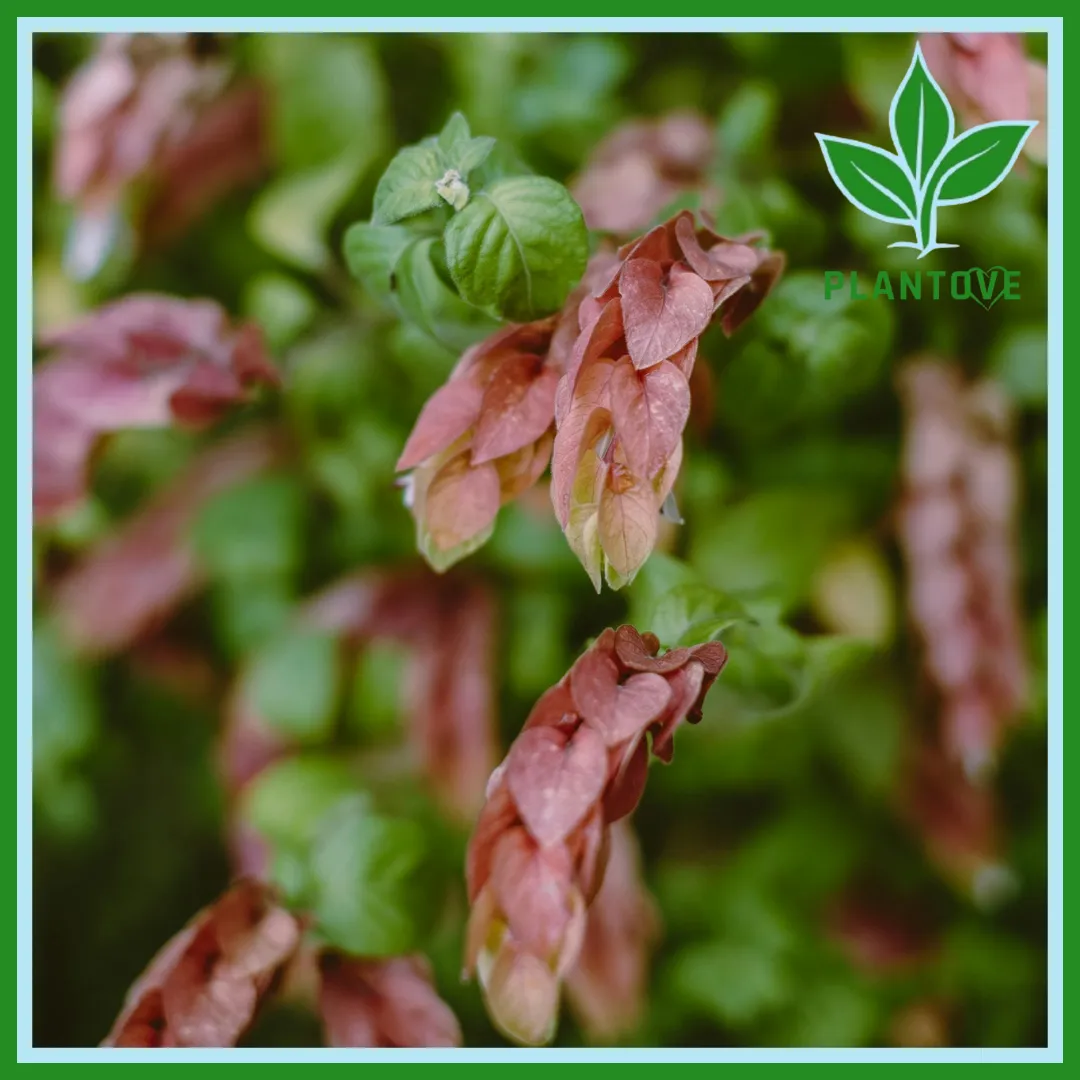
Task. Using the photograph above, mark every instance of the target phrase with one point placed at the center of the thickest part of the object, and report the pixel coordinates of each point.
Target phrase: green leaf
(281, 305)
(291, 217)
(870, 178)
(1018, 361)
(978, 161)
(773, 859)
(831, 1013)
(329, 97)
(363, 886)
(408, 187)
(920, 119)
(872, 65)
(734, 982)
(331, 379)
(536, 655)
(771, 670)
(294, 683)
(525, 545)
(65, 712)
(431, 304)
(569, 98)
(289, 872)
(772, 205)
(771, 544)
(503, 162)
(518, 248)
(287, 800)
(472, 154)
(252, 530)
(249, 610)
(455, 132)
(43, 108)
(767, 673)
(371, 253)
(801, 364)
(375, 701)
(461, 151)
(863, 725)
(691, 613)
(748, 122)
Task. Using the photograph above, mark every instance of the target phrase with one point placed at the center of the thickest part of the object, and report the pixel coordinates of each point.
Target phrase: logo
(932, 166)
(985, 287)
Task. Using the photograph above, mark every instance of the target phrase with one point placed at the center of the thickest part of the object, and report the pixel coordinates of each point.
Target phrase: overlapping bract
(623, 403)
(481, 440)
(142, 361)
(988, 78)
(613, 372)
(607, 987)
(538, 854)
(205, 986)
(484, 438)
(957, 525)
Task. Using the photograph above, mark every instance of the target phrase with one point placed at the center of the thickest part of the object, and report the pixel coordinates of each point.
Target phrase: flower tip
(523, 997)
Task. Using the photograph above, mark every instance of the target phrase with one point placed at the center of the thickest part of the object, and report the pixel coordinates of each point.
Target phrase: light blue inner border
(27, 26)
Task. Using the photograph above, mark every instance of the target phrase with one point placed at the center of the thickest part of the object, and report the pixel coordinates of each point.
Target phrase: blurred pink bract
(205, 986)
(988, 77)
(141, 361)
(957, 524)
(640, 168)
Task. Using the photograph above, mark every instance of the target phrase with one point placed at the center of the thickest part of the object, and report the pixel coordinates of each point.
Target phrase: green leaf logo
(931, 166)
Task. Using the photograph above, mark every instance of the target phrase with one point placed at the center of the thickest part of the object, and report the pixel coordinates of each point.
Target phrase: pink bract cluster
(538, 854)
(481, 440)
(131, 118)
(142, 361)
(205, 986)
(957, 524)
(610, 374)
(623, 403)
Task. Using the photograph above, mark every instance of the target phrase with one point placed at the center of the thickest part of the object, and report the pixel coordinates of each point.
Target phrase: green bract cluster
(460, 234)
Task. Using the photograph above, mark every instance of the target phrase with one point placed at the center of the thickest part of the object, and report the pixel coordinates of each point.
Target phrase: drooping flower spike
(958, 529)
(602, 390)
(622, 406)
(538, 854)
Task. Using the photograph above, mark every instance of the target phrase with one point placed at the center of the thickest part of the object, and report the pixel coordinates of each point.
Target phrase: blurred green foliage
(784, 794)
